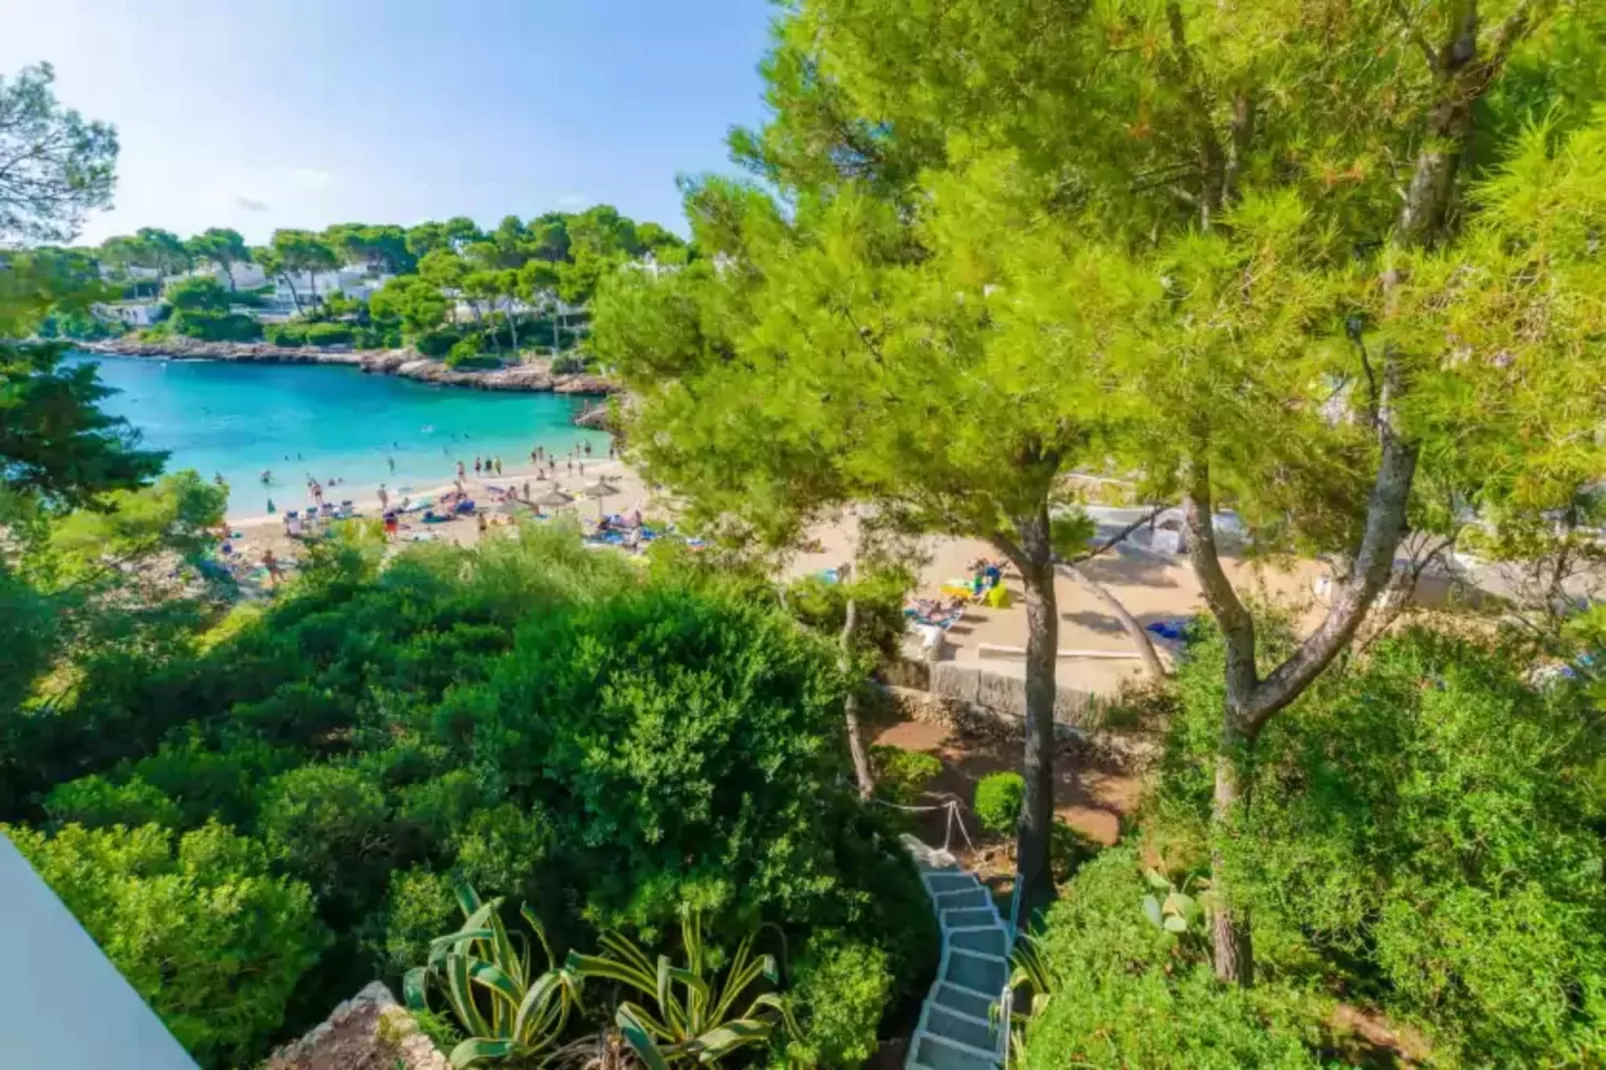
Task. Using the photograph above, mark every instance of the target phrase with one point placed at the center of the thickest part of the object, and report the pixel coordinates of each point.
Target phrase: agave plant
(507, 1010)
(1177, 913)
(1029, 973)
(694, 1016)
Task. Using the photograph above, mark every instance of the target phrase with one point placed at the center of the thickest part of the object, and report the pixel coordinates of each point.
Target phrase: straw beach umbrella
(552, 499)
(600, 490)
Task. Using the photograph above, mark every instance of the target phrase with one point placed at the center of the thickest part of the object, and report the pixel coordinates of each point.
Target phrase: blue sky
(257, 114)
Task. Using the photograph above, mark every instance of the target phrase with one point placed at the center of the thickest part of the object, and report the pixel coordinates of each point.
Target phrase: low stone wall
(967, 718)
(972, 699)
(1006, 695)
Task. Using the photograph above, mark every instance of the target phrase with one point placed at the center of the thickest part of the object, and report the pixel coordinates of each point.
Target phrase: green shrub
(205, 933)
(1121, 996)
(1417, 829)
(437, 343)
(998, 801)
(329, 334)
(310, 334)
(286, 334)
(841, 990)
(901, 775)
(95, 801)
(216, 326)
(463, 351)
(197, 294)
(420, 907)
(331, 826)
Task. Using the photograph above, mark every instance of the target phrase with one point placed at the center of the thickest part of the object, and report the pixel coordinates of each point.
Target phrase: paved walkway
(954, 1032)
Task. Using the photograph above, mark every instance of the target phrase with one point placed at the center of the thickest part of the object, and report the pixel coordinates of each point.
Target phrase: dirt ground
(1091, 794)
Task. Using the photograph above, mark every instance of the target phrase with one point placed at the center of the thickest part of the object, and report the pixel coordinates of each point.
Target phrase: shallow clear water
(293, 420)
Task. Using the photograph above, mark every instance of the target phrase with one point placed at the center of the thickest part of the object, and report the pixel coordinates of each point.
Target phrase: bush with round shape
(998, 801)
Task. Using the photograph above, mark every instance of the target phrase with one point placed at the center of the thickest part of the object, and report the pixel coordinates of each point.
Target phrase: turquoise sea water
(293, 420)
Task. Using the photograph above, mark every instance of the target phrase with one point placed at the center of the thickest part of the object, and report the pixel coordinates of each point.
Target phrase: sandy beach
(255, 534)
(1096, 655)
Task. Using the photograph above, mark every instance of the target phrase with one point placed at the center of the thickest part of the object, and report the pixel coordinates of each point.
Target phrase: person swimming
(267, 476)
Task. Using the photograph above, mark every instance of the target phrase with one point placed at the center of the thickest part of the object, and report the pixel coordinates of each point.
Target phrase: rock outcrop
(535, 376)
(370, 1031)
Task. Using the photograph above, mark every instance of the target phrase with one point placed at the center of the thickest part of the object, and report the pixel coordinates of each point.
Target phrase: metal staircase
(955, 1031)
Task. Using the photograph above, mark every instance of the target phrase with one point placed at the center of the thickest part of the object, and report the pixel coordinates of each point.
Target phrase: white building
(130, 313)
(353, 281)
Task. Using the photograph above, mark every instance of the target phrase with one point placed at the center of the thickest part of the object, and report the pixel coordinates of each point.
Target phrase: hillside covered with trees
(450, 289)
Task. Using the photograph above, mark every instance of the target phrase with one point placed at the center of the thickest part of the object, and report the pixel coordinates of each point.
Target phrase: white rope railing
(954, 818)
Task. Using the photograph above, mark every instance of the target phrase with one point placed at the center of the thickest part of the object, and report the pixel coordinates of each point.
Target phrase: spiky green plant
(1029, 975)
(694, 1015)
(507, 1010)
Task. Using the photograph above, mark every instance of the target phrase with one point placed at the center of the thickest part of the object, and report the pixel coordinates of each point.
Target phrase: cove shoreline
(533, 377)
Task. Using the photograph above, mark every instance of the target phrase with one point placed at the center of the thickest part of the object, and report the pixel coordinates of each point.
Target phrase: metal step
(988, 941)
(937, 1054)
(970, 918)
(976, 973)
(943, 883)
(965, 897)
(968, 1003)
(967, 1031)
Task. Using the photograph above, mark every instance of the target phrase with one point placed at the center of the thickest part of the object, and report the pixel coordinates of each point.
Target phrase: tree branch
(1415, 35)
(1236, 624)
(1119, 537)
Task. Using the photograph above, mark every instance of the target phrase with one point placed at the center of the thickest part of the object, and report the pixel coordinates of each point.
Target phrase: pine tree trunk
(850, 705)
(1230, 930)
(1035, 833)
(512, 329)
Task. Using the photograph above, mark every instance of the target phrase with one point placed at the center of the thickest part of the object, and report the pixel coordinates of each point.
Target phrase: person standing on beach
(476, 466)
(384, 498)
(526, 490)
(460, 474)
(499, 466)
(588, 449)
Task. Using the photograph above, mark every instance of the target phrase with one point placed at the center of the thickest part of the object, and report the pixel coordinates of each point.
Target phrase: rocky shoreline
(534, 376)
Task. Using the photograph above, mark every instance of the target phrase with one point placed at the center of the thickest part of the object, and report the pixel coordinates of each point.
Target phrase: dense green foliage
(310, 334)
(998, 799)
(901, 775)
(1123, 996)
(529, 717)
(1331, 267)
(199, 924)
(1425, 838)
